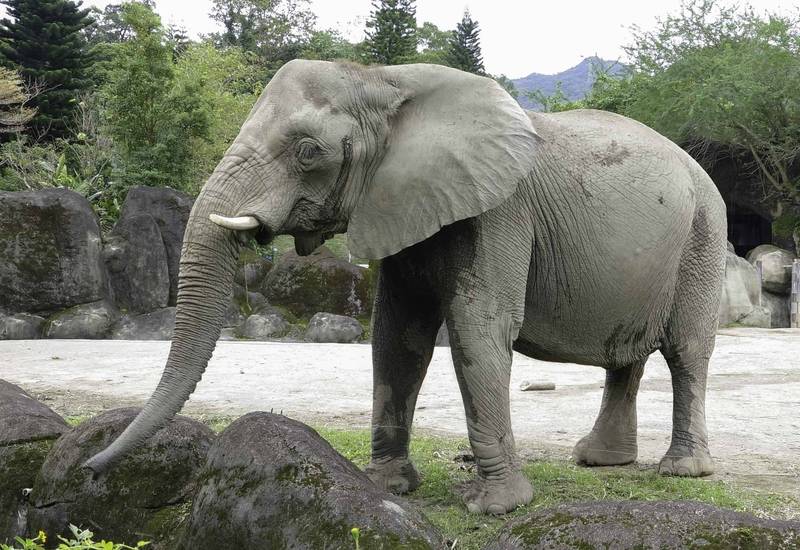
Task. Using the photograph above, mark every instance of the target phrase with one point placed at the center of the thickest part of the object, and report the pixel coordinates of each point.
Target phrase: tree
(43, 40)
(329, 45)
(465, 46)
(508, 85)
(14, 99)
(392, 32)
(109, 26)
(152, 119)
(276, 30)
(434, 44)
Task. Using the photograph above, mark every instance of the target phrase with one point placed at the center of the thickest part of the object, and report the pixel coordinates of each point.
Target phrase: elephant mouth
(307, 242)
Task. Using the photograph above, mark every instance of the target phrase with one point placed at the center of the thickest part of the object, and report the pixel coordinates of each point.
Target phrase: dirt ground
(753, 406)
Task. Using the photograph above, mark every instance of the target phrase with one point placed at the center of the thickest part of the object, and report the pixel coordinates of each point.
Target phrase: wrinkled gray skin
(580, 236)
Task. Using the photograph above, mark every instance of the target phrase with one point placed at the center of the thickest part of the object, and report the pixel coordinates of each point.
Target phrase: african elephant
(578, 237)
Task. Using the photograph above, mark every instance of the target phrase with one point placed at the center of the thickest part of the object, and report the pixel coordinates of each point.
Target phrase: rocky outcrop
(145, 496)
(630, 525)
(170, 210)
(51, 250)
(156, 325)
(273, 482)
(318, 282)
(330, 328)
(88, 321)
(27, 431)
(137, 264)
(251, 269)
(776, 267)
(21, 326)
(741, 295)
(263, 326)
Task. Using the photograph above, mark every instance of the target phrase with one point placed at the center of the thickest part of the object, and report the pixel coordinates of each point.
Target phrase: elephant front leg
(612, 440)
(482, 356)
(404, 334)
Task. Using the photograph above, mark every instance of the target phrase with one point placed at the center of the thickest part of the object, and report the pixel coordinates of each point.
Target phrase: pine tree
(43, 40)
(465, 47)
(392, 32)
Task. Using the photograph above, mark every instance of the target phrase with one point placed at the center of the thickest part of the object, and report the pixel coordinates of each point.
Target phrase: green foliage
(330, 45)
(153, 118)
(465, 46)
(555, 102)
(14, 99)
(82, 540)
(43, 40)
(719, 80)
(275, 30)
(110, 26)
(508, 85)
(392, 32)
(434, 44)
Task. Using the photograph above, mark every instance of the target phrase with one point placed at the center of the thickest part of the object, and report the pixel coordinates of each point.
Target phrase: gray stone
(630, 525)
(778, 306)
(170, 209)
(741, 295)
(273, 482)
(51, 250)
(776, 267)
(327, 327)
(88, 321)
(264, 326)
(137, 264)
(27, 431)
(318, 282)
(145, 496)
(20, 326)
(156, 325)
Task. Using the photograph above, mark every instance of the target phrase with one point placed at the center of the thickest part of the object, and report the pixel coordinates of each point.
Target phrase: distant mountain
(575, 82)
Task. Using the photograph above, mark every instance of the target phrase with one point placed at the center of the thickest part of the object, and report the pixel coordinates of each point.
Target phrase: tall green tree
(14, 98)
(434, 44)
(392, 32)
(152, 119)
(465, 46)
(43, 40)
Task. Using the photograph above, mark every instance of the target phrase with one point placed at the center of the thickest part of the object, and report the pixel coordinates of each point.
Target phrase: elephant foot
(680, 461)
(395, 475)
(609, 450)
(498, 496)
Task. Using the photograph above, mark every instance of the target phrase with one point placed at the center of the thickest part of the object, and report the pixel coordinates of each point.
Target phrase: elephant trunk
(208, 261)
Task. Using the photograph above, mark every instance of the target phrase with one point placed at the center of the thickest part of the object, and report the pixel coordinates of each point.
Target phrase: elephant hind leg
(612, 440)
(687, 346)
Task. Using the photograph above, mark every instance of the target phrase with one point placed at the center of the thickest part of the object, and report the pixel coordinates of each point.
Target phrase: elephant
(581, 237)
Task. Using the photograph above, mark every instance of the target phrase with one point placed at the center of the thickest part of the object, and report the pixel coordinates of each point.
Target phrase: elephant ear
(458, 145)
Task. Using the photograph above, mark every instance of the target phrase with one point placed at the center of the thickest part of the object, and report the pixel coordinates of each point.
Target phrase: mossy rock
(145, 496)
(632, 525)
(273, 482)
(27, 431)
(318, 282)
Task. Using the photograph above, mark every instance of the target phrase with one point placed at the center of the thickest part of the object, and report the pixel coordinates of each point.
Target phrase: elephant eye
(307, 151)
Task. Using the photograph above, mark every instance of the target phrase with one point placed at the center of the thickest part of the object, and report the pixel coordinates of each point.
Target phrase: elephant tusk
(241, 223)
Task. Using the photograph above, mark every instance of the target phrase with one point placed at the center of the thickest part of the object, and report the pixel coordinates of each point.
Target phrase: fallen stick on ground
(537, 386)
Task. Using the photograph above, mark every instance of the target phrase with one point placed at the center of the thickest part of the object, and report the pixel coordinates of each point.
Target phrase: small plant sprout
(356, 533)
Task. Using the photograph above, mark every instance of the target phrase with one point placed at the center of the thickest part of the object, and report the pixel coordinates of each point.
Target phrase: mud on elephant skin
(576, 237)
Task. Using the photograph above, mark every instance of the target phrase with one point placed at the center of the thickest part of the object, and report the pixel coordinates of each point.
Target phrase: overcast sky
(518, 37)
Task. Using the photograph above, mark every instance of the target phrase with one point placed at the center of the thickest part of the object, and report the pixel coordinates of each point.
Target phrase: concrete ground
(753, 408)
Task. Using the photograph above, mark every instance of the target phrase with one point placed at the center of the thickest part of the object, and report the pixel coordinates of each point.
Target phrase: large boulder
(156, 325)
(273, 482)
(137, 264)
(87, 321)
(170, 209)
(630, 525)
(251, 269)
(776, 267)
(21, 326)
(27, 431)
(51, 250)
(741, 295)
(263, 326)
(318, 282)
(145, 496)
(779, 308)
(330, 328)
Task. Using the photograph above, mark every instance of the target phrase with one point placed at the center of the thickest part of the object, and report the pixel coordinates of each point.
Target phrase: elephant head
(388, 154)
